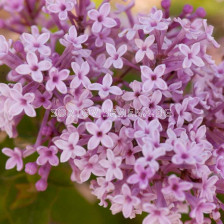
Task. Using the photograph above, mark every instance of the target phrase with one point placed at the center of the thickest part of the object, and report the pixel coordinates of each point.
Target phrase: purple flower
(115, 56)
(22, 103)
(191, 29)
(101, 18)
(56, 79)
(103, 188)
(177, 187)
(37, 43)
(153, 22)
(179, 111)
(220, 166)
(105, 88)
(4, 47)
(135, 95)
(90, 166)
(153, 79)
(99, 134)
(186, 153)
(144, 48)
(14, 5)
(41, 185)
(112, 165)
(15, 158)
(73, 38)
(70, 148)
(209, 30)
(105, 113)
(103, 37)
(200, 209)
(42, 99)
(129, 153)
(208, 187)
(156, 215)
(150, 156)
(34, 67)
(60, 7)
(191, 55)
(141, 119)
(145, 128)
(126, 200)
(47, 155)
(31, 168)
(141, 177)
(151, 104)
(76, 106)
(81, 75)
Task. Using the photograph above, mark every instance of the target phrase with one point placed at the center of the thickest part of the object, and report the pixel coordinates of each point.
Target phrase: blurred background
(65, 202)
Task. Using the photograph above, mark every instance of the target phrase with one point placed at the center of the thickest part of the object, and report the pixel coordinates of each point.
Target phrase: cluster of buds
(86, 71)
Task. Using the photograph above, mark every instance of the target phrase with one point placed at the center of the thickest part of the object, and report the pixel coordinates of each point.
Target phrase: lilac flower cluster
(165, 166)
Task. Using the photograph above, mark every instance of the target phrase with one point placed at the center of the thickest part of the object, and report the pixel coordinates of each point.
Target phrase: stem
(179, 38)
(128, 63)
(44, 121)
(130, 17)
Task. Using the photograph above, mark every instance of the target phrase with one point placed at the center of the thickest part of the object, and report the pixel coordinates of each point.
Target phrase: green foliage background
(62, 203)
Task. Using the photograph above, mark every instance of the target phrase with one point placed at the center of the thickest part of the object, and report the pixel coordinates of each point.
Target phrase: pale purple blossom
(14, 6)
(33, 67)
(200, 209)
(99, 134)
(187, 153)
(103, 37)
(37, 43)
(101, 18)
(142, 176)
(103, 113)
(151, 155)
(56, 80)
(115, 56)
(72, 38)
(70, 148)
(156, 215)
(105, 88)
(191, 29)
(81, 73)
(208, 187)
(191, 55)
(60, 7)
(112, 166)
(126, 200)
(42, 99)
(47, 155)
(15, 159)
(4, 47)
(144, 48)
(152, 79)
(177, 188)
(153, 22)
(22, 103)
(141, 116)
(89, 166)
(135, 95)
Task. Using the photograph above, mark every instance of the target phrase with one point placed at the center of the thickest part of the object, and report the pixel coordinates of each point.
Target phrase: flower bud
(188, 9)
(47, 131)
(201, 12)
(18, 46)
(166, 4)
(41, 185)
(31, 168)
